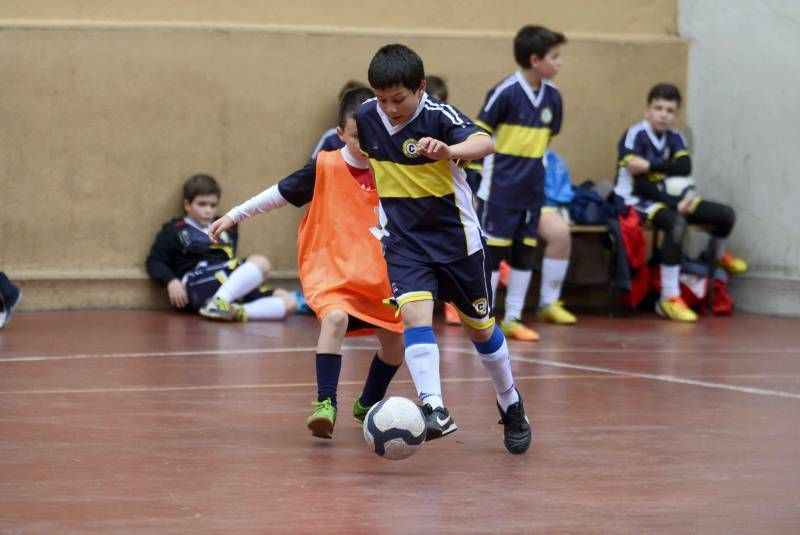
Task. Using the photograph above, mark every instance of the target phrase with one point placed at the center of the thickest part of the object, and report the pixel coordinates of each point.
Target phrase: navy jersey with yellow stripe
(425, 205)
(522, 121)
(641, 140)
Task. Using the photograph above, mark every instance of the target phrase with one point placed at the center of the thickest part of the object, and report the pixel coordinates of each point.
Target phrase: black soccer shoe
(517, 433)
(437, 422)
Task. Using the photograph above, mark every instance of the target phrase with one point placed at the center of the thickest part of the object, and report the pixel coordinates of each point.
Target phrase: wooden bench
(655, 240)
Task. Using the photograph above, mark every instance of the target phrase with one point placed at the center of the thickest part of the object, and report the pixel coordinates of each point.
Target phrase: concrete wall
(744, 74)
(108, 106)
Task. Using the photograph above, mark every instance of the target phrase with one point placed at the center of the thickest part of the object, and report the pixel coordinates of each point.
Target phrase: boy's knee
(336, 319)
(560, 238)
(260, 261)
(728, 217)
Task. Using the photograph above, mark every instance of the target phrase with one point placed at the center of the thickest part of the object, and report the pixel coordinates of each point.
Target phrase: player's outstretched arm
(472, 148)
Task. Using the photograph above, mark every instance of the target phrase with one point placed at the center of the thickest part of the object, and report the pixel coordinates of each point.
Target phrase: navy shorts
(205, 279)
(504, 226)
(466, 283)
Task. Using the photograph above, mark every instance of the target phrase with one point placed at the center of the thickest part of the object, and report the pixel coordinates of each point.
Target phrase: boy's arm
(460, 139)
(472, 148)
(159, 266)
(159, 261)
(680, 166)
(647, 189)
(297, 189)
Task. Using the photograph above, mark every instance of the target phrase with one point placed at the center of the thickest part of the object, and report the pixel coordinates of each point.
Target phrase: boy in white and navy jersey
(648, 153)
(523, 112)
(431, 238)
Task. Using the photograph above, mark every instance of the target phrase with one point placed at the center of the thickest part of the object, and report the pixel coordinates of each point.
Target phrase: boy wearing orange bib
(342, 270)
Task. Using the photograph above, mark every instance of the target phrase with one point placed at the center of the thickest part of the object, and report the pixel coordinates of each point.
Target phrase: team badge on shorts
(547, 115)
(481, 306)
(410, 148)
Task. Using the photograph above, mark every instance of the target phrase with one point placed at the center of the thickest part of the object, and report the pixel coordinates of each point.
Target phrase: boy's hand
(685, 204)
(433, 149)
(177, 293)
(218, 227)
(638, 165)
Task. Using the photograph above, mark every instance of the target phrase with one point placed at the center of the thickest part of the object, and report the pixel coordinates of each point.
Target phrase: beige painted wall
(606, 16)
(102, 123)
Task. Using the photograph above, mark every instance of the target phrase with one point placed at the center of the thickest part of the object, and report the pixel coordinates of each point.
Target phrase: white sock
(495, 284)
(423, 364)
(719, 248)
(518, 283)
(242, 281)
(554, 271)
(266, 308)
(669, 281)
(499, 367)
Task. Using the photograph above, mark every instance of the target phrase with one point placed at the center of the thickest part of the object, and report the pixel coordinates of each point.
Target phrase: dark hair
(349, 85)
(535, 41)
(436, 87)
(200, 185)
(351, 101)
(664, 92)
(395, 65)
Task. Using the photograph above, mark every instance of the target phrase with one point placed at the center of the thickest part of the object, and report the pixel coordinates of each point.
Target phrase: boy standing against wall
(523, 112)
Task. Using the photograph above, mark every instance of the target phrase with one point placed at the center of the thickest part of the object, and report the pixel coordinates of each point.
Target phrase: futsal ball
(678, 186)
(394, 428)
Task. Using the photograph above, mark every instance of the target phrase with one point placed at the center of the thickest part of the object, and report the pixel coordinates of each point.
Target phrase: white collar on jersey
(654, 139)
(195, 224)
(535, 98)
(393, 129)
(351, 160)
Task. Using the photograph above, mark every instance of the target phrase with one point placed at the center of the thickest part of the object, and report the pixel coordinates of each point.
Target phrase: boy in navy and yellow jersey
(432, 242)
(208, 278)
(341, 267)
(523, 112)
(648, 153)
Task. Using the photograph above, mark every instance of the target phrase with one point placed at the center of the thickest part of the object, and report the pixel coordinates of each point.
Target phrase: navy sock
(328, 368)
(378, 379)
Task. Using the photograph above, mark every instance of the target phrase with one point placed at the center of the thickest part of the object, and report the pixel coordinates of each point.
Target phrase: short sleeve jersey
(425, 205)
(642, 141)
(522, 121)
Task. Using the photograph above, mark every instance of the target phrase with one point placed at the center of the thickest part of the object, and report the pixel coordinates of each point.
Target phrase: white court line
(664, 378)
(129, 389)
(150, 354)
(255, 351)
(654, 377)
(470, 352)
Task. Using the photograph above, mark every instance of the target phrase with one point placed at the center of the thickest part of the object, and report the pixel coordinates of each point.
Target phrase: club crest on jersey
(481, 306)
(547, 115)
(410, 148)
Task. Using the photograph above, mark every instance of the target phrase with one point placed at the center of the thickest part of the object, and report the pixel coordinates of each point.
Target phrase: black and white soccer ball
(394, 428)
(678, 186)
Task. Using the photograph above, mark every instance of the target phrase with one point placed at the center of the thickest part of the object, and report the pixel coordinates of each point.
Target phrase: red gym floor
(122, 422)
